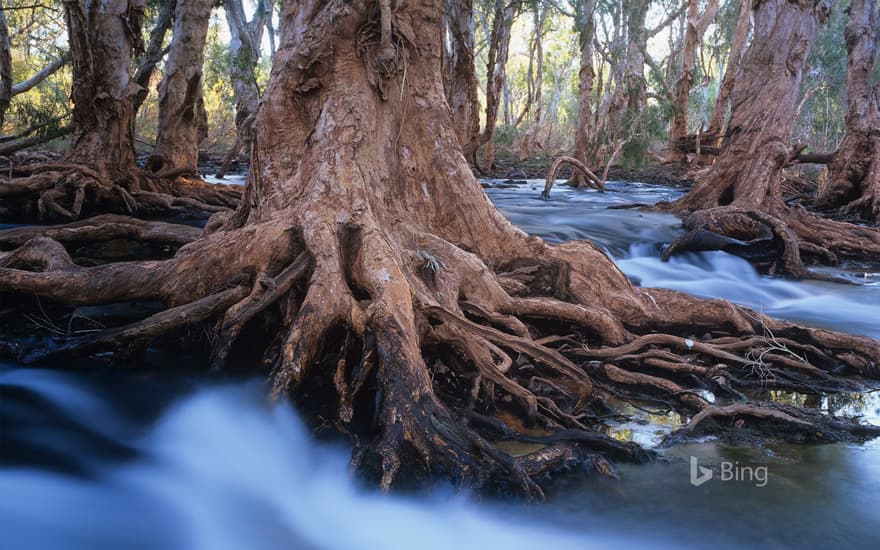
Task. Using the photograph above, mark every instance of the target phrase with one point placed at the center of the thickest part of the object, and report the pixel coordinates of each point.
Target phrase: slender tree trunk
(540, 16)
(496, 67)
(630, 92)
(244, 49)
(102, 42)
(584, 132)
(531, 137)
(459, 70)
(696, 27)
(734, 58)
(5, 68)
(153, 53)
(182, 122)
(392, 297)
(854, 174)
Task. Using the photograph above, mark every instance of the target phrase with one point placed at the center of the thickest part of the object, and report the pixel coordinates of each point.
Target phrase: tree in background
(182, 118)
(854, 174)
(739, 196)
(244, 51)
(99, 173)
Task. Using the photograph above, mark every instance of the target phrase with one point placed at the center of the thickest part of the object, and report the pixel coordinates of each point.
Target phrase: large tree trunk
(244, 49)
(459, 71)
(696, 27)
(739, 196)
(182, 122)
(734, 58)
(854, 174)
(101, 43)
(390, 296)
(584, 131)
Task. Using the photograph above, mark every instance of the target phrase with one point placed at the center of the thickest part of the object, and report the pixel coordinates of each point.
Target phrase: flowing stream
(104, 459)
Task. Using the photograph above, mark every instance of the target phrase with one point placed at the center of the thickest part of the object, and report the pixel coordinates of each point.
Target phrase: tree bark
(584, 131)
(393, 296)
(5, 68)
(153, 53)
(496, 71)
(696, 27)
(182, 122)
(854, 175)
(630, 91)
(459, 70)
(244, 48)
(102, 41)
(734, 58)
(739, 195)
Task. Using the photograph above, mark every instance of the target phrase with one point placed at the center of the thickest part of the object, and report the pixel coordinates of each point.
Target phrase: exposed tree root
(783, 239)
(369, 274)
(486, 347)
(68, 191)
(103, 228)
(589, 178)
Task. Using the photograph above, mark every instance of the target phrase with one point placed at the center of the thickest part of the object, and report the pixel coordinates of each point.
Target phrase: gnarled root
(430, 359)
(781, 240)
(67, 191)
(590, 179)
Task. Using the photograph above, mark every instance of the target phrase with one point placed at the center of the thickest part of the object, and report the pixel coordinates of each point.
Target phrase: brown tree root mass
(67, 191)
(369, 274)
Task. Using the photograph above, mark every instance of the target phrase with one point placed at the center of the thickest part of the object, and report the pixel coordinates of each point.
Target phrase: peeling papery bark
(391, 298)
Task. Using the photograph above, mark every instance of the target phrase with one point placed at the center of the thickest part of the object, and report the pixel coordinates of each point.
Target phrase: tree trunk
(734, 58)
(182, 122)
(531, 137)
(5, 68)
(739, 196)
(244, 49)
(854, 174)
(630, 90)
(392, 296)
(459, 71)
(102, 42)
(154, 52)
(584, 134)
(496, 71)
(696, 27)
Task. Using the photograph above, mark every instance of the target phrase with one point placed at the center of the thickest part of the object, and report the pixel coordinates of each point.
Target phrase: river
(103, 459)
